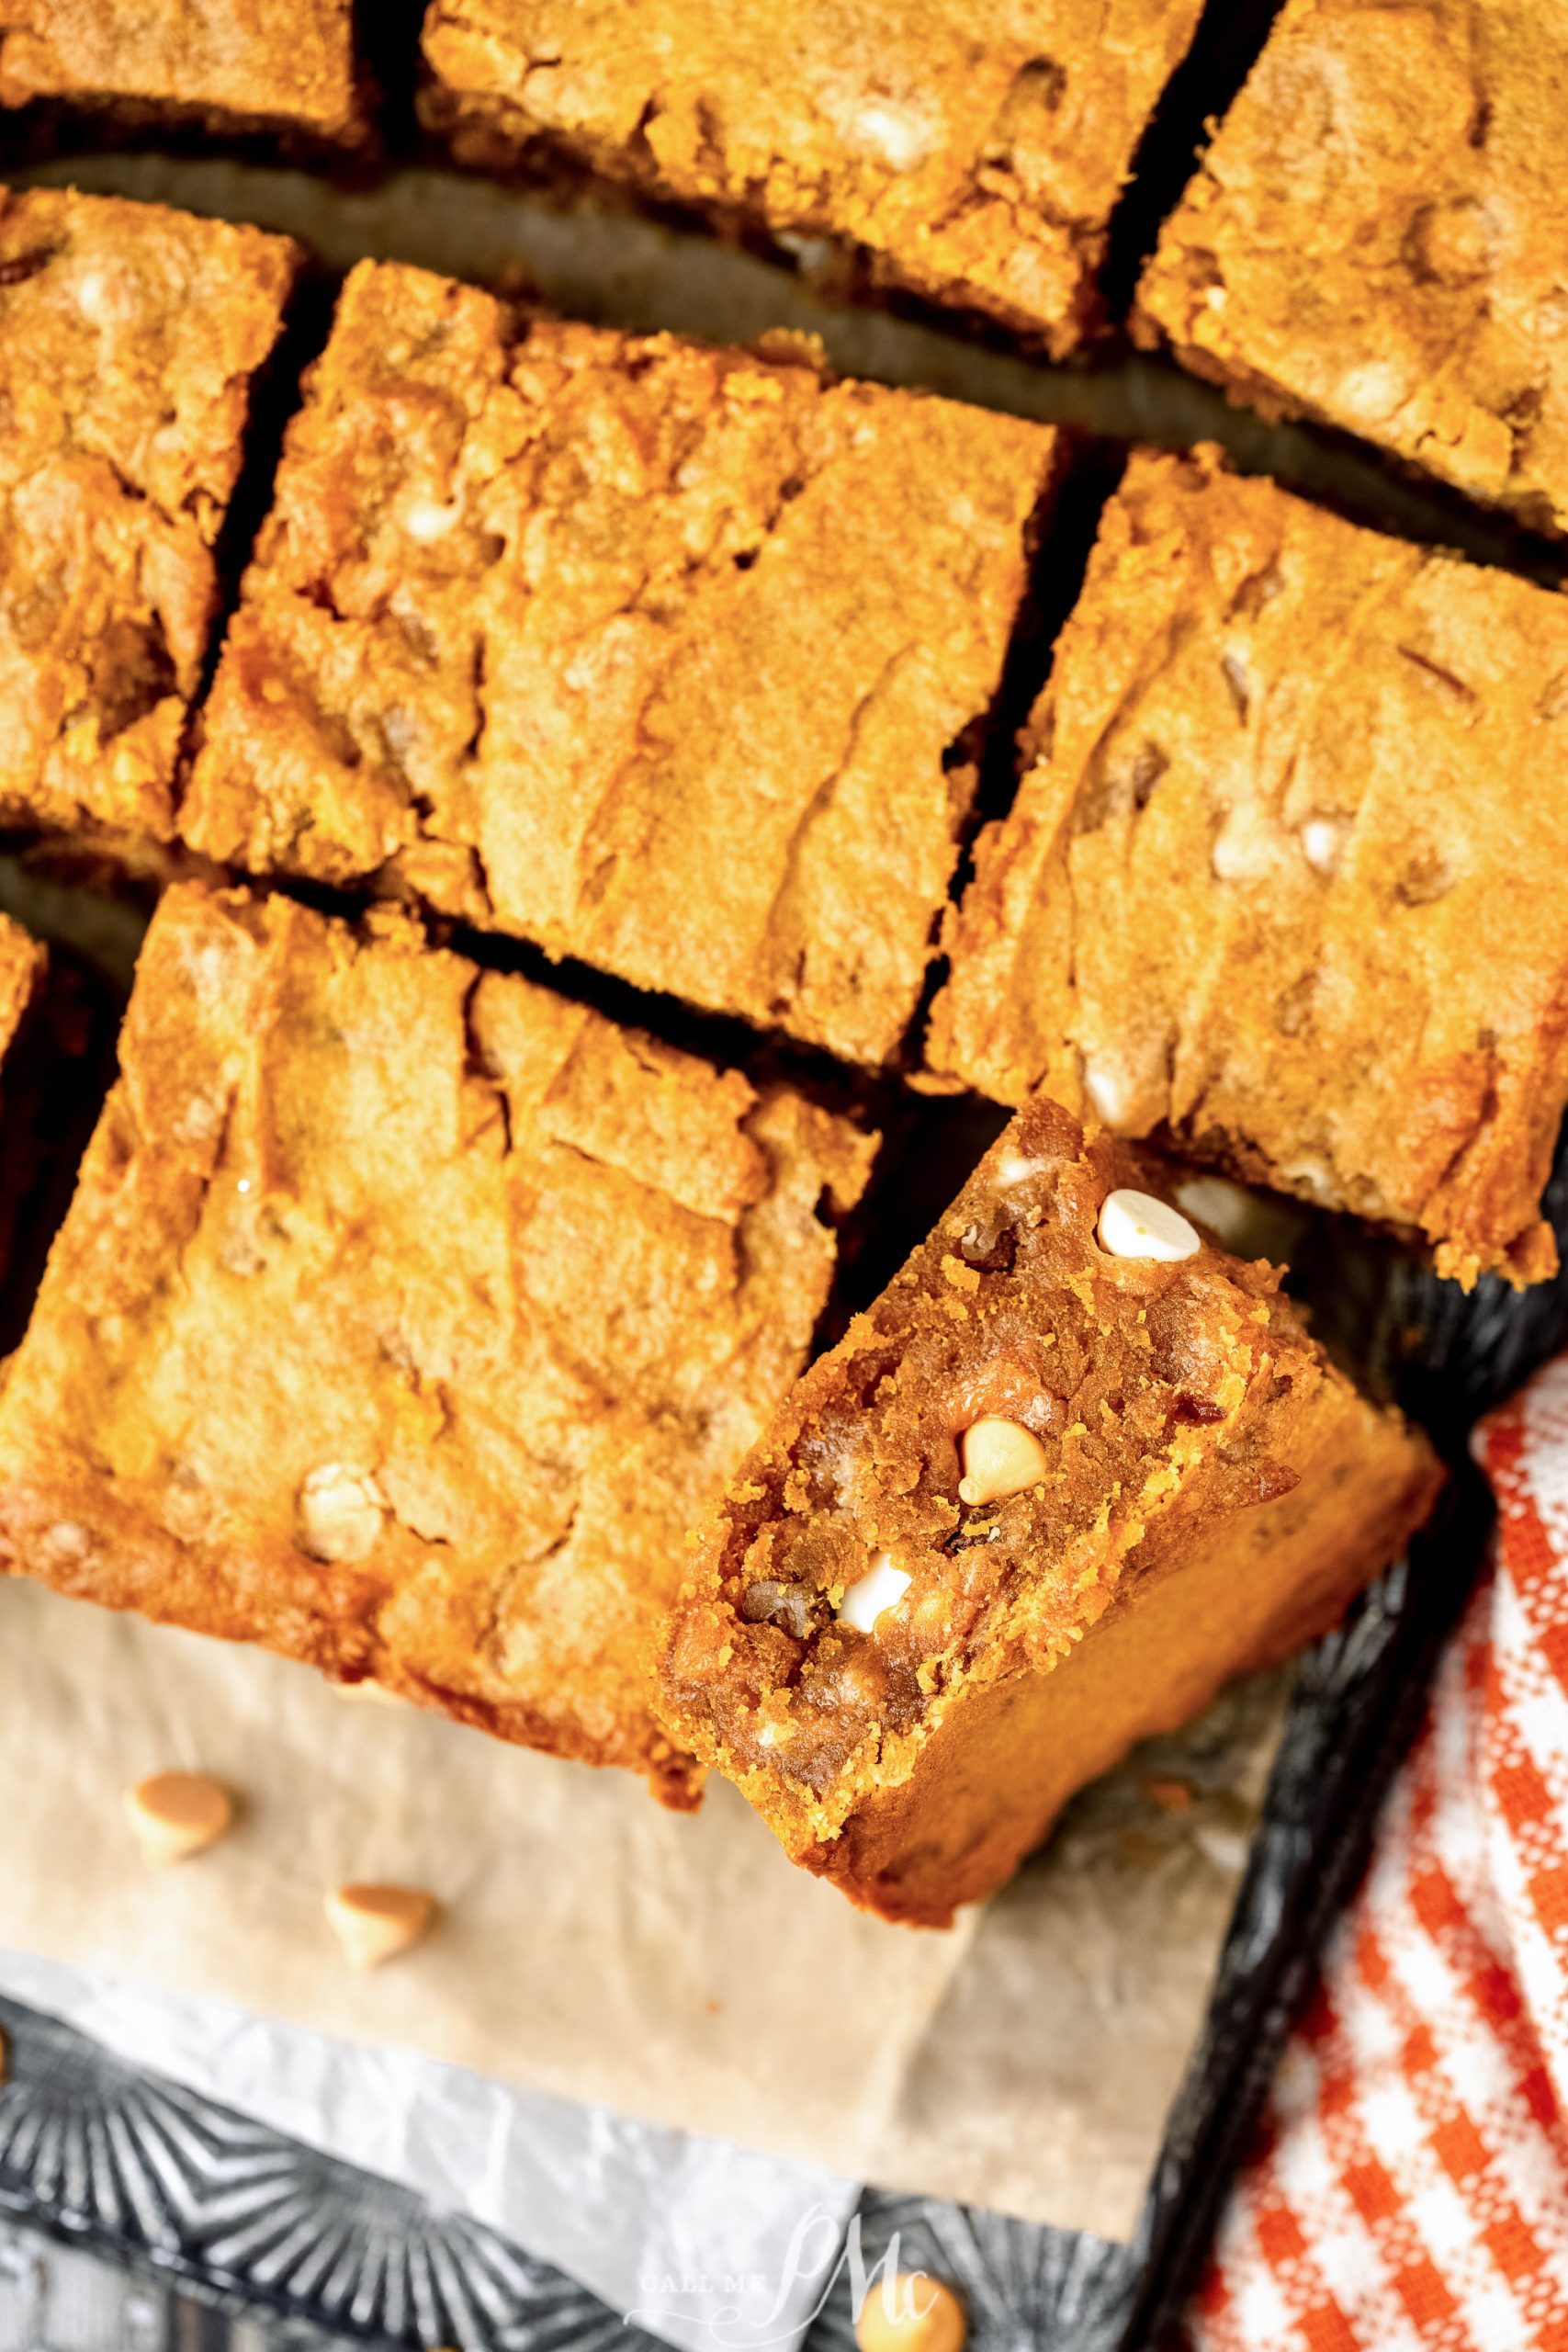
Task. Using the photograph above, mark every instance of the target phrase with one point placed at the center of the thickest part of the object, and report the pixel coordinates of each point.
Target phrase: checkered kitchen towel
(1408, 2186)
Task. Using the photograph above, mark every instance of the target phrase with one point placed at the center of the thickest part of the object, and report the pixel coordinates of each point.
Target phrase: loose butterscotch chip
(176, 1814)
(910, 2313)
(373, 1924)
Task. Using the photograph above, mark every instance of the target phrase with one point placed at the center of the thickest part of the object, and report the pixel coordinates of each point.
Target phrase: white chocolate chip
(1247, 848)
(1016, 1168)
(427, 522)
(1218, 1201)
(340, 1512)
(1137, 1225)
(176, 1815)
(1372, 393)
(902, 139)
(373, 1924)
(1000, 1458)
(1323, 838)
(1108, 1091)
(881, 1588)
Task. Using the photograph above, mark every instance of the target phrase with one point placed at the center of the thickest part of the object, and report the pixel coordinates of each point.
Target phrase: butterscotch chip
(176, 1814)
(911, 2312)
(1000, 1458)
(373, 1924)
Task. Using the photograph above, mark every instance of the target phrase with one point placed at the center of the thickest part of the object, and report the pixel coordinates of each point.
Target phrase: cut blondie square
(1282, 882)
(972, 152)
(666, 658)
(1375, 238)
(1075, 1468)
(406, 1317)
(130, 338)
(283, 66)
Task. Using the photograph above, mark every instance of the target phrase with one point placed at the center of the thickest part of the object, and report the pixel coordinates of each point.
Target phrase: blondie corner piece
(129, 335)
(664, 657)
(407, 1317)
(1040, 1501)
(283, 66)
(1375, 238)
(1284, 881)
(971, 149)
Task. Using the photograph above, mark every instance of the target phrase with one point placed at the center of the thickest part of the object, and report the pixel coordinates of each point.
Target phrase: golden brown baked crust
(652, 653)
(129, 338)
(973, 147)
(1212, 1490)
(1376, 237)
(406, 1318)
(21, 965)
(1283, 879)
(280, 64)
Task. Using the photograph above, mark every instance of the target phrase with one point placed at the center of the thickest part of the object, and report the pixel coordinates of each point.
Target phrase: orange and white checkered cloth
(1408, 2186)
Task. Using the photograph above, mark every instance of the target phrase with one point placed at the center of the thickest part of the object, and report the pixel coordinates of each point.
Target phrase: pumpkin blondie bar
(972, 154)
(1283, 880)
(405, 1318)
(661, 656)
(1074, 1468)
(283, 66)
(130, 336)
(1375, 239)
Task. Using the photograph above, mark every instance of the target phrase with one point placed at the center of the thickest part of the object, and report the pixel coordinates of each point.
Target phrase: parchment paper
(676, 1968)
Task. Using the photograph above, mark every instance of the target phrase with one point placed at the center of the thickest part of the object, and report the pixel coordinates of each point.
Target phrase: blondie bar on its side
(1376, 236)
(1284, 878)
(664, 657)
(129, 339)
(407, 1317)
(971, 151)
(284, 66)
(1075, 1468)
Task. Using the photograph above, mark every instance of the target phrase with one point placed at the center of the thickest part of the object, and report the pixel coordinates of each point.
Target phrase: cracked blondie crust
(128, 338)
(406, 1317)
(661, 656)
(1375, 238)
(1073, 1469)
(281, 65)
(972, 152)
(1283, 880)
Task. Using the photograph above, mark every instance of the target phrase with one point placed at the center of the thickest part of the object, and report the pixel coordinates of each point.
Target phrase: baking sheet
(631, 2210)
